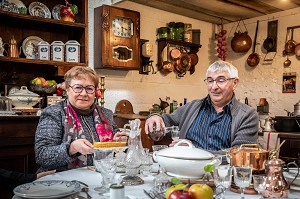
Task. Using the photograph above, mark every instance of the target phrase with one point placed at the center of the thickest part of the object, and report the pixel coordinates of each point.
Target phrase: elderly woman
(66, 130)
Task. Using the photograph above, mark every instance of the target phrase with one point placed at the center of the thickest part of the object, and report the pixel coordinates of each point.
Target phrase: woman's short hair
(224, 67)
(77, 71)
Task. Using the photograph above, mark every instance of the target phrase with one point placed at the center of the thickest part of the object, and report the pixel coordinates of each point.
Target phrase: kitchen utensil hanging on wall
(270, 43)
(290, 44)
(241, 41)
(253, 59)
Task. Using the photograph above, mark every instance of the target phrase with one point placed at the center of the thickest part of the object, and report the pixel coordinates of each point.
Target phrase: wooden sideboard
(17, 145)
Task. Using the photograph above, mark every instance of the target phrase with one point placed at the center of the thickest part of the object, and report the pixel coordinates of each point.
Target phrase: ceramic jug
(276, 185)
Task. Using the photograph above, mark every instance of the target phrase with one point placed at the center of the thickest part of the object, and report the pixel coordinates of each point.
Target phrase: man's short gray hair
(224, 67)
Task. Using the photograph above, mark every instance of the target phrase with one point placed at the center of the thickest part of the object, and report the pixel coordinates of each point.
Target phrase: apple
(180, 194)
(201, 191)
(176, 187)
(68, 12)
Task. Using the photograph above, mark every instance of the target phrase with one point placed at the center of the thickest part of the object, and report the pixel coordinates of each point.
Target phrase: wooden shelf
(39, 62)
(38, 20)
(21, 26)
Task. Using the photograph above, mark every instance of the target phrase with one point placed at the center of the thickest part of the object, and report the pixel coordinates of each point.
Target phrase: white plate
(39, 10)
(29, 47)
(47, 189)
(18, 3)
(56, 11)
(294, 187)
(9, 7)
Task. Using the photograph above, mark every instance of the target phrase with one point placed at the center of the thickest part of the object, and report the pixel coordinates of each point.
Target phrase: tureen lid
(185, 152)
(23, 91)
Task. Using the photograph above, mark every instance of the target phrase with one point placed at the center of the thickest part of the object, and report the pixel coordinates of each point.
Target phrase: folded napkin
(271, 141)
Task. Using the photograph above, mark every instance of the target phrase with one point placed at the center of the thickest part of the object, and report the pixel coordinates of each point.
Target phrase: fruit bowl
(39, 88)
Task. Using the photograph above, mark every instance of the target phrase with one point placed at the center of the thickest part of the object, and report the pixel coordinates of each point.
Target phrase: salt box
(43, 50)
(72, 51)
(57, 50)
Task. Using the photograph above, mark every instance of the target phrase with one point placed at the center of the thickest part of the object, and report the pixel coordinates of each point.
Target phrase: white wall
(144, 90)
(263, 81)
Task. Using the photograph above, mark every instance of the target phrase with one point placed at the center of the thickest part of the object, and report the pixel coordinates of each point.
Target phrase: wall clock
(117, 38)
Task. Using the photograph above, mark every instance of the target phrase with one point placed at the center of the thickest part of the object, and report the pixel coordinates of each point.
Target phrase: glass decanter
(135, 153)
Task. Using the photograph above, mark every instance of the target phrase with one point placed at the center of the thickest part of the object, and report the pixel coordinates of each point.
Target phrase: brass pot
(249, 155)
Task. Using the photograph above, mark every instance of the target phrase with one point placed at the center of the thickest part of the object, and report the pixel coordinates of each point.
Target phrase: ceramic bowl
(23, 98)
(289, 176)
(184, 161)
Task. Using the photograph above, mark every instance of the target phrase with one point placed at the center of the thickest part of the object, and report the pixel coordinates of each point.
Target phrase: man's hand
(120, 137)
(155, 119)
(82, 146)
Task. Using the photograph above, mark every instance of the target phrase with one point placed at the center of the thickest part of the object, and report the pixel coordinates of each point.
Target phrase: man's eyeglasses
(219, 81)
(77, 88)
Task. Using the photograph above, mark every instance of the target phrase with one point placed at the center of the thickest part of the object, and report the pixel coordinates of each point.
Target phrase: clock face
(122, 27)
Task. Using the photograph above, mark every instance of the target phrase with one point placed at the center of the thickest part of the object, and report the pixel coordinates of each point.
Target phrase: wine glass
(259, 183)
(242, 178)
(101, 166)
(222, 178)
(174, 130)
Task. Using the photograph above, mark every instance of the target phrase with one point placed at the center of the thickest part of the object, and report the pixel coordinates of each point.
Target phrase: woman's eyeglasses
(219, 81)
(77, 88)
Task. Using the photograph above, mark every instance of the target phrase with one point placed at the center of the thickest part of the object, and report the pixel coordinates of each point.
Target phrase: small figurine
(1, 47)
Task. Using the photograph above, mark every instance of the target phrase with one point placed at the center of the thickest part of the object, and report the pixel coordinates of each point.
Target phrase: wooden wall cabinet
(21, 26)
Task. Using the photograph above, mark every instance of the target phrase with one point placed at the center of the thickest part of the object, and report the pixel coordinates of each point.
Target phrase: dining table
(88, 176)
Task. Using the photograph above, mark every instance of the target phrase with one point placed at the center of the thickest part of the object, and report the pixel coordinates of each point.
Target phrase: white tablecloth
(93, 179)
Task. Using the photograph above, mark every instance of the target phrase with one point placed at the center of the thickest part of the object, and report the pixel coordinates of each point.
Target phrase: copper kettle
(276, 185)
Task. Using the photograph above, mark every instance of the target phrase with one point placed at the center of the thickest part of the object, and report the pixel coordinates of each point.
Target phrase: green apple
(201, 191)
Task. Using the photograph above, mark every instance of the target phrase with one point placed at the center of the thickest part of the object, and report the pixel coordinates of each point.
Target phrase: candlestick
(102, 89)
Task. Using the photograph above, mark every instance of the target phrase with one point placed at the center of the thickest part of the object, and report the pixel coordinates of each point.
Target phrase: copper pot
(249, 155)
(183, 64)
(241, 42)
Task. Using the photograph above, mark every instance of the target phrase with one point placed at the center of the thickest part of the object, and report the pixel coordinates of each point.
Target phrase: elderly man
(217, 121)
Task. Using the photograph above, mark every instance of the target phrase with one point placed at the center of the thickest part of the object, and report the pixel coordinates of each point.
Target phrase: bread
(109, 144)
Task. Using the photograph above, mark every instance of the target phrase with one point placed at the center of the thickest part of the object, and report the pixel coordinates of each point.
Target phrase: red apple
(179, 194)
(201, 191)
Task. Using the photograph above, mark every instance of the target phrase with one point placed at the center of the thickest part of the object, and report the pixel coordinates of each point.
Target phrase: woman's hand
(155, 119)
(120, 137)
(44, 173)
(82, 146)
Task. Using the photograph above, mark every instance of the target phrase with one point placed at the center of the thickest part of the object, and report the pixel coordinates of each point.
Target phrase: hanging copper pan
(291, 44)
(253, 58)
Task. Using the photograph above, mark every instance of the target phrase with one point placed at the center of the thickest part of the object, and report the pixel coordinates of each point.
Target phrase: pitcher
(276, 185)
(13, 48)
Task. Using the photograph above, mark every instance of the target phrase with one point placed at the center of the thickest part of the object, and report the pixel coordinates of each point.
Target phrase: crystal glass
(147, 163)
(222, 178)
(259, 183)
(174, 131)
(102, 154)
(242, 178)
(155, 149)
